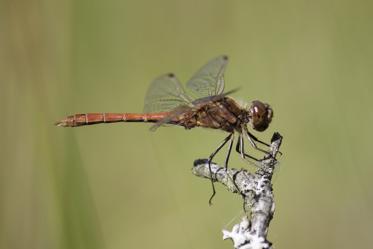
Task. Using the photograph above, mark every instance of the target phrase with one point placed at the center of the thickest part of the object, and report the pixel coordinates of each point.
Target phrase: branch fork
(256, 190)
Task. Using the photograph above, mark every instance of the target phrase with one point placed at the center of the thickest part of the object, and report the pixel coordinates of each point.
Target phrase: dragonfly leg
(227, 159)
(229, 152)
(240, 149)
(256, 139)
(210, 160)
(253, 138)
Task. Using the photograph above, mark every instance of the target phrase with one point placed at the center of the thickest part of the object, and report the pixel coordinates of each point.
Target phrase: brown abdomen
(98, 118)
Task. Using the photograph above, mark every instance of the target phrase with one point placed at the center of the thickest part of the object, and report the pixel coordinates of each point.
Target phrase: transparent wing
(164, 94)
(209, 80)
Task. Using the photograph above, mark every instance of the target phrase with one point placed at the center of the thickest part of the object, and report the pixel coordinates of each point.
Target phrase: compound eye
(259, 111)
(261, 115)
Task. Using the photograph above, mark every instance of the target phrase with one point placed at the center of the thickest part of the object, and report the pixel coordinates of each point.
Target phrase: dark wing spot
(225, 57)
(171, 75)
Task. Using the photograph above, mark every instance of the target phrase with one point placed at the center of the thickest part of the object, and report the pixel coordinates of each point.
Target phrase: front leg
(253, 138)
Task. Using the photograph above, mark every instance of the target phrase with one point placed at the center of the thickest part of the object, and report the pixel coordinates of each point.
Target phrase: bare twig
(256, 190)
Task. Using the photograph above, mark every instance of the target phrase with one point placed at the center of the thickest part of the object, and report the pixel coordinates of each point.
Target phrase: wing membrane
(164, 94)
(209, 80)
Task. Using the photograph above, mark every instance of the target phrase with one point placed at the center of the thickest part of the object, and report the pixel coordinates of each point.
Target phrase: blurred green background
(121, 186)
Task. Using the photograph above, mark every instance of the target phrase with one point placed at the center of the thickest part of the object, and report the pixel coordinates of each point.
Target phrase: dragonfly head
(260, 115)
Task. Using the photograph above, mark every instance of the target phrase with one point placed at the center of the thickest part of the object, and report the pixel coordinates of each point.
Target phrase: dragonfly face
(260, 115)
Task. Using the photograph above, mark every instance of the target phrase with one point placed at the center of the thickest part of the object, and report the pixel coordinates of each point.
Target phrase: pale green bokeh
(121, 186)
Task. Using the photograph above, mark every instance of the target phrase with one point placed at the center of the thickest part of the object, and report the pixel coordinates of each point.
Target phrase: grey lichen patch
(243, 238)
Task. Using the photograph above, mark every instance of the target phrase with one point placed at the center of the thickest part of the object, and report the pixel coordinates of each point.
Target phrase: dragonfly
(201, 103)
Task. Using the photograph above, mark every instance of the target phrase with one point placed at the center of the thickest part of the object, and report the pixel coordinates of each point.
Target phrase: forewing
(209, 80)
(164, 94)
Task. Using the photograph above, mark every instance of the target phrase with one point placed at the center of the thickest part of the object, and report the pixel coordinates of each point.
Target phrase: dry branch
(256, 190)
